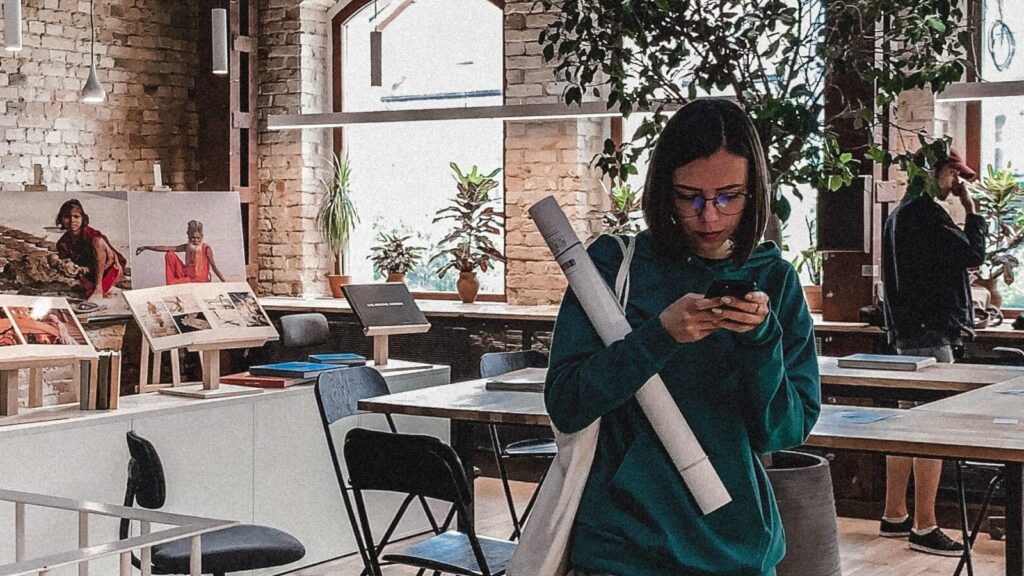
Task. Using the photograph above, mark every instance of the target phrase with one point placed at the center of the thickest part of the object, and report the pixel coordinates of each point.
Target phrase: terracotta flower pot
(396, 277)
(812, 293)
(468, 286)
(336, 281)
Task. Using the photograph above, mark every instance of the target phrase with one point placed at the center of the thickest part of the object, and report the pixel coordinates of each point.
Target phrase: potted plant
(998, 196)
(809, 260)
(393, 257)
(336, 218)
(474, 222)
(624, 215)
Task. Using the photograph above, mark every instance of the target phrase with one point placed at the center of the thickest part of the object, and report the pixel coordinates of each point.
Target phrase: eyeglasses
(727, 204)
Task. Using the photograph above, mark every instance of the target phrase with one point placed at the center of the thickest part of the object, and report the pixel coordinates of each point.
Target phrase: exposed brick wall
(293, 55)
(542, 158)
(146, 59)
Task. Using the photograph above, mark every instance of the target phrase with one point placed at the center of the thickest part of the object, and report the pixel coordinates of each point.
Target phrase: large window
(986, 117)
(442, 53)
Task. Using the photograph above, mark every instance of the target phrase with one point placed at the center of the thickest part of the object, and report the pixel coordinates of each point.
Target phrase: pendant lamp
(93, 91)
(12, 25)
(219, 17)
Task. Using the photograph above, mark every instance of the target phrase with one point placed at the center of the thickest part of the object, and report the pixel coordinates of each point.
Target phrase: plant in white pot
(475, 221)
(393, 257)
(337, 217)
(999, 202)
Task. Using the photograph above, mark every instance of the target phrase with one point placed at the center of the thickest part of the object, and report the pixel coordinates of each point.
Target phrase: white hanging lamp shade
(93, 91)
(219, 17)
(12, 25)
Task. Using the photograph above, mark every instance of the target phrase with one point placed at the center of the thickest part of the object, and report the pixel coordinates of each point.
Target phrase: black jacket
(925, 257)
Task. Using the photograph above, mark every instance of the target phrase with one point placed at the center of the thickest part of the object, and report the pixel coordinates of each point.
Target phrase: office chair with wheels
(235, 549)
(424, 467)
(494, 364)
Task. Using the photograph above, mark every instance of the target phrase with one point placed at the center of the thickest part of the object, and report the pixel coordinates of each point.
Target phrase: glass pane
(1002, 20)
(1002, 120)
(444, 53)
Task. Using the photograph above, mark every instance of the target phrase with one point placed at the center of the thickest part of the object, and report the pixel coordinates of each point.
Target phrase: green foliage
(644, 55)
(393, 256)
(336, 217)
(999, 202)
(623, 217)
(474, 222)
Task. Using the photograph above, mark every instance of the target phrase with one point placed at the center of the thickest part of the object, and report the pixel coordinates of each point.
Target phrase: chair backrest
(145, 473)
(407, 463)
(495, 363)
(146, 483)
(298, 330)
(339, 391)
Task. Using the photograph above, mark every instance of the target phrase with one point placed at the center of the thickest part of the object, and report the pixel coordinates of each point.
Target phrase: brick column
(542, 158)
(293, 55)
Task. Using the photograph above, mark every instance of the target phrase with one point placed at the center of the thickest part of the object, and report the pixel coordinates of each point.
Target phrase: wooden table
(934, 381)
(917, 432)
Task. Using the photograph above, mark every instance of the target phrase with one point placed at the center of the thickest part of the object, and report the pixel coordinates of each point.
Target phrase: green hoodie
(742, 394)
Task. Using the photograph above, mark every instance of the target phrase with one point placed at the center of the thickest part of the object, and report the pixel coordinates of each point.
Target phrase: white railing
(179, 526)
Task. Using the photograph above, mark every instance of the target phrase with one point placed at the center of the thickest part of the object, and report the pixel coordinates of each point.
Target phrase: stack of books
(280, 375)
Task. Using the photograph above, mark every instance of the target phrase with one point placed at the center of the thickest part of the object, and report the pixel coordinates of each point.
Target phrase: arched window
(434, 54)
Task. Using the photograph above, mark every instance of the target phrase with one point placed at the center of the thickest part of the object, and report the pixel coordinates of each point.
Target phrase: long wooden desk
(917, 432)
(947, 378)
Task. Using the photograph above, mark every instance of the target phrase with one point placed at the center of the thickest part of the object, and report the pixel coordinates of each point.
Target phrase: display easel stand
(149, 380)
(83, 376)
(211, 387)
(380, 346)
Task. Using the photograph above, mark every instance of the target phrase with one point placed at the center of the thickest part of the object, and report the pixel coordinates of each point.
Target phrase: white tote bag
(543, 548)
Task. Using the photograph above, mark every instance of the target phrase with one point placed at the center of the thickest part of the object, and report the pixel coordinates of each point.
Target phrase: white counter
(258, 459)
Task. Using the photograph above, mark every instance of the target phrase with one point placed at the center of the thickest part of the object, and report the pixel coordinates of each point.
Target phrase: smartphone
(734, 288)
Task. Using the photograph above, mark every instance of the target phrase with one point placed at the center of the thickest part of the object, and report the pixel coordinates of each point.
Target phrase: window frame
(346, 13)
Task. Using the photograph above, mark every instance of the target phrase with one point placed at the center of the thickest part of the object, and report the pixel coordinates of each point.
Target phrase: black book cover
(383, 305)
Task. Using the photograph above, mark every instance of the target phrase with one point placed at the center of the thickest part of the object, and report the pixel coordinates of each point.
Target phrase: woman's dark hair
(696, 131)
(65, 212)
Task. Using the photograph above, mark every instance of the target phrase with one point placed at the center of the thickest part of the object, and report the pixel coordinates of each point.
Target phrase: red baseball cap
(957, 161)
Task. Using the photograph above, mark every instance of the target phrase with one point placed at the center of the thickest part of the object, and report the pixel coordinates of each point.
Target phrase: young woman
(100, 265)
(742, 370)
(198, 258)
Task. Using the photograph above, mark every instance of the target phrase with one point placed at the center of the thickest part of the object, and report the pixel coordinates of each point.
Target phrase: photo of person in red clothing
(101, 267)
(198, 261)
(185, 238)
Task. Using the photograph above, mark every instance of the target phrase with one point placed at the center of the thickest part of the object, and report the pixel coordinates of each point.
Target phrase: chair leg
(496, 446)
(533, 499)
(962, 501)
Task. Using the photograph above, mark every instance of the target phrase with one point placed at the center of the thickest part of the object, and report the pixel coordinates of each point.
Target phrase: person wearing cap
(927, 306)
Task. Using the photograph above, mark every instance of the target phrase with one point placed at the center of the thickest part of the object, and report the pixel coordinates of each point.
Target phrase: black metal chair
(236, 549)
(300, 330)
(421, 466)
(338, 393)
(995, 481)
(494, 364)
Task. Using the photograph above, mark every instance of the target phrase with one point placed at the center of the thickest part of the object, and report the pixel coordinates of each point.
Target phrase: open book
(525, 380)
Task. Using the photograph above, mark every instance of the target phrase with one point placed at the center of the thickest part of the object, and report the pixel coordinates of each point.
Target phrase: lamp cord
(92, 26)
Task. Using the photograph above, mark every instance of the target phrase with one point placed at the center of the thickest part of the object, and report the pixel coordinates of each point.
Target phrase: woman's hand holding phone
(742, 314)
(690, 318)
